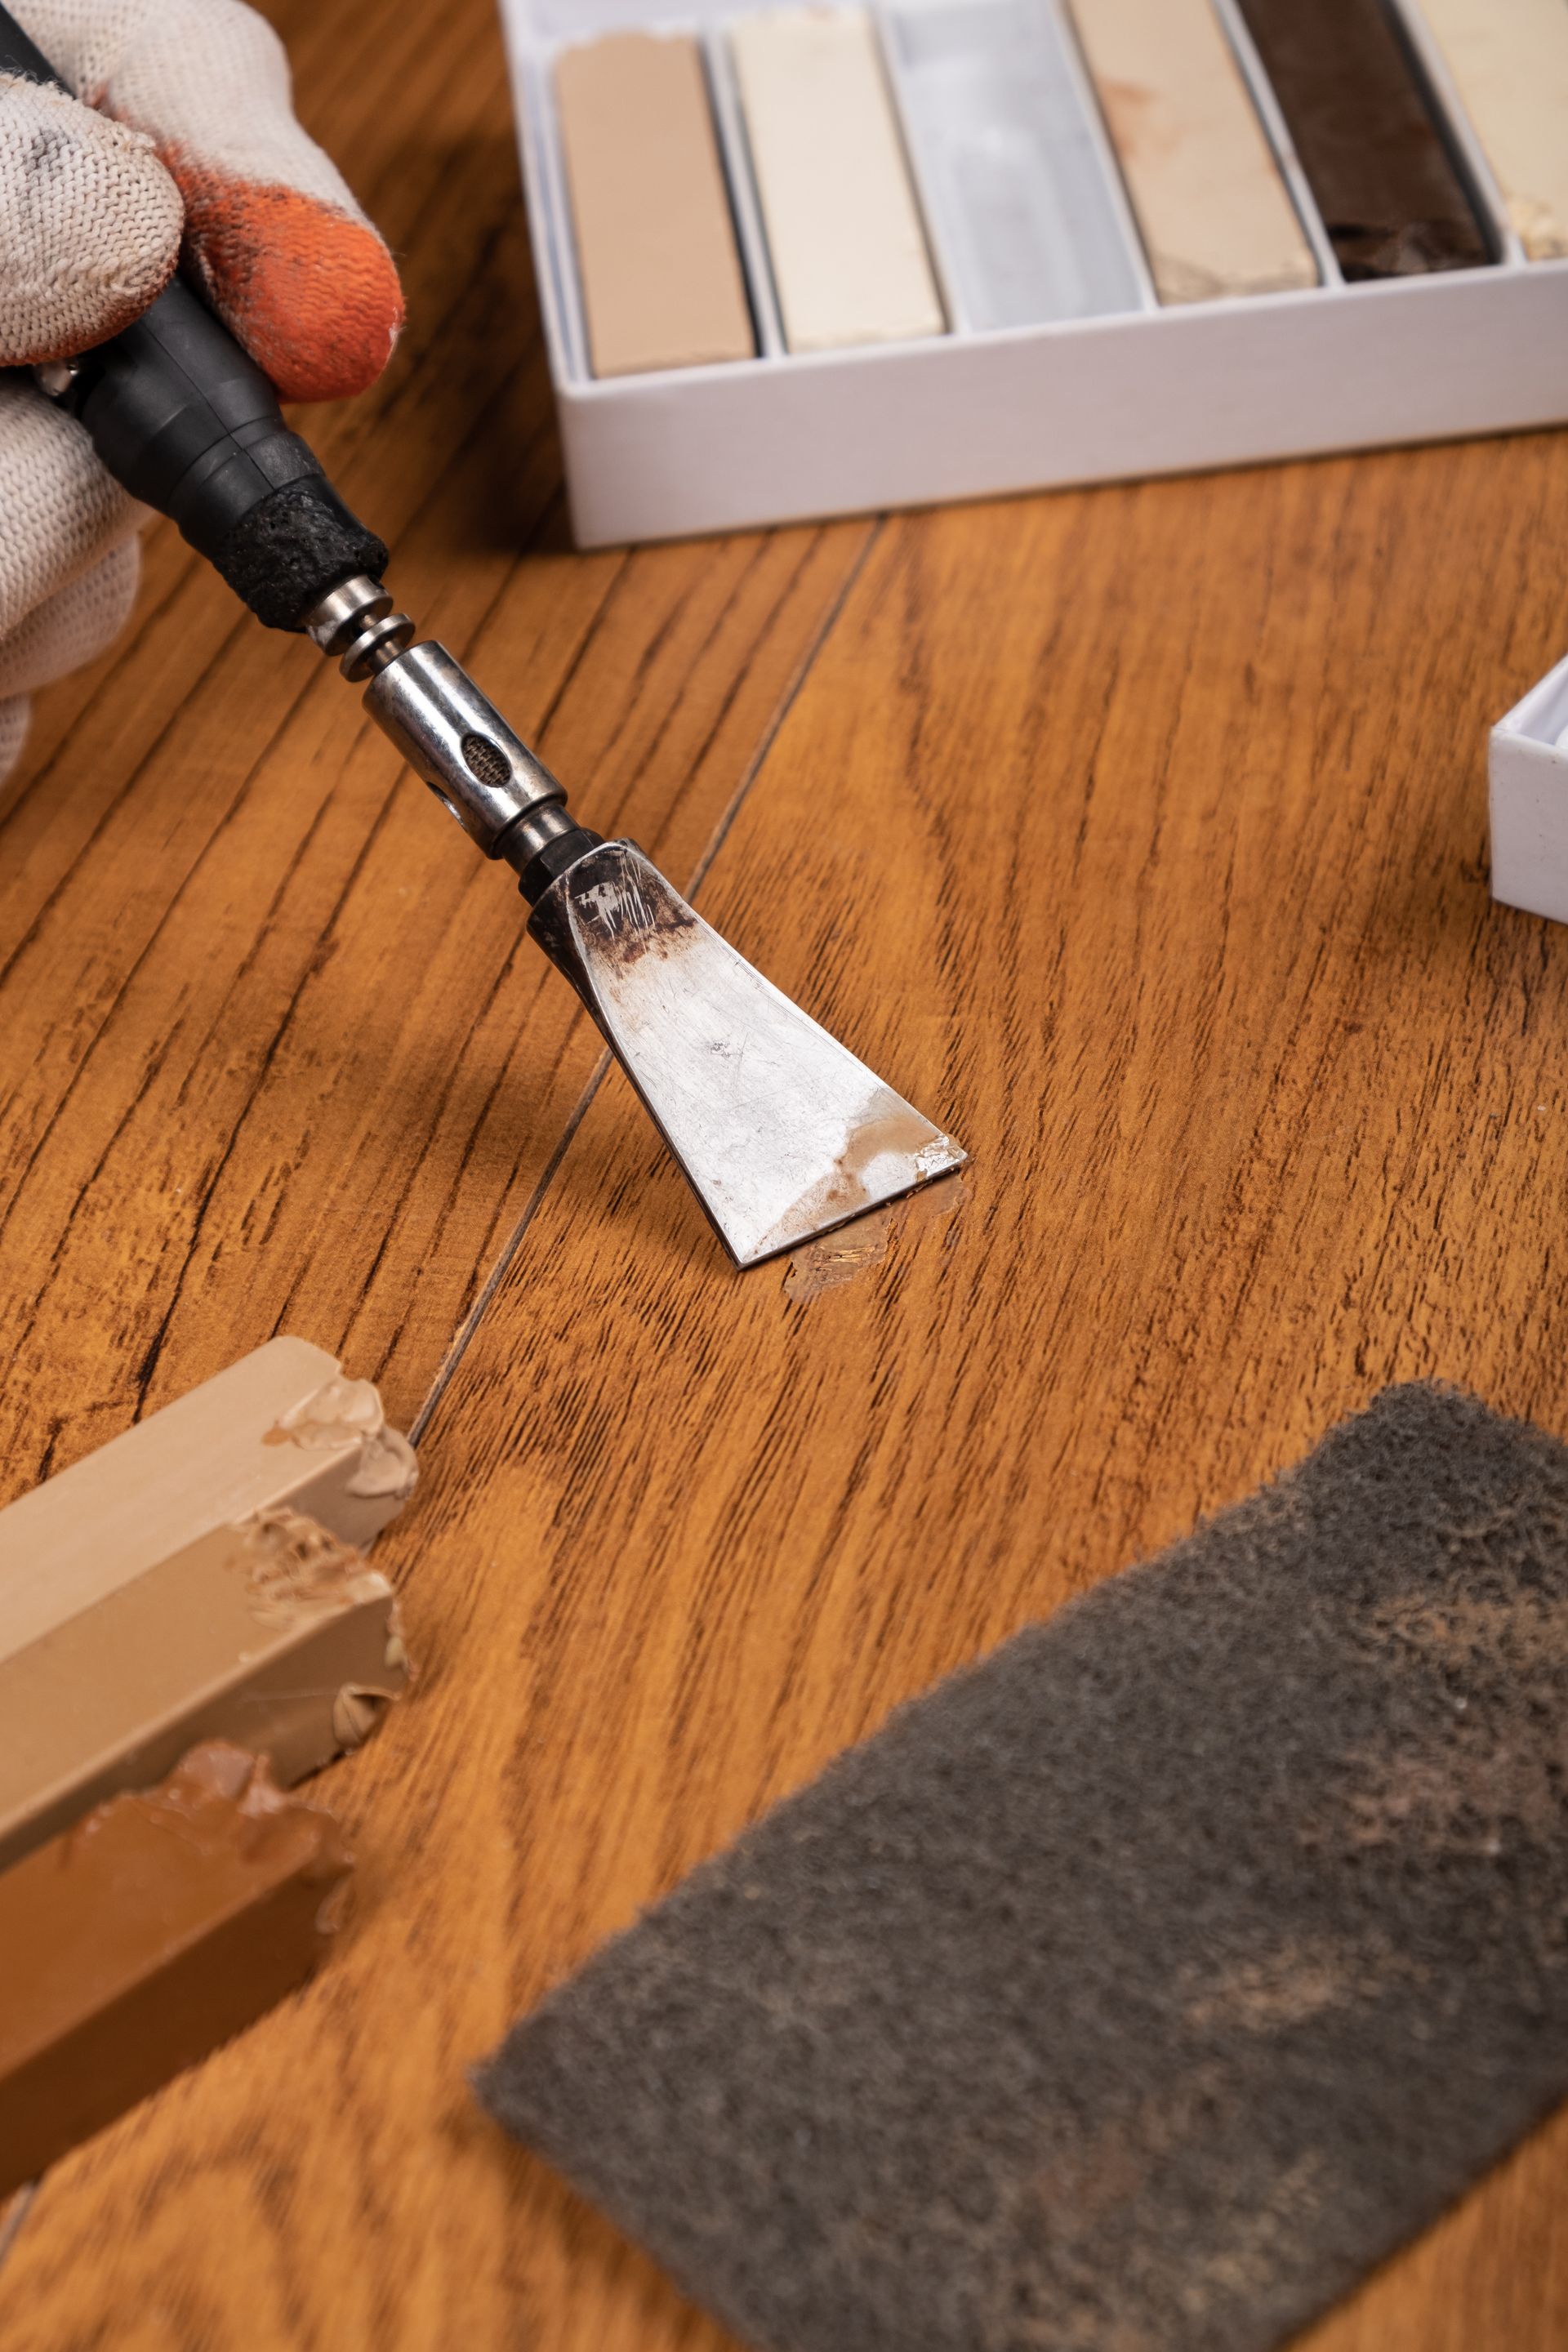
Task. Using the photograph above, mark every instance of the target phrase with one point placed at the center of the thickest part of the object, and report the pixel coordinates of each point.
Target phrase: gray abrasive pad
(1137, 1990)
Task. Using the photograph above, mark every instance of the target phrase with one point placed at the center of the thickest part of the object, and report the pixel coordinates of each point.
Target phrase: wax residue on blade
(889, 1129)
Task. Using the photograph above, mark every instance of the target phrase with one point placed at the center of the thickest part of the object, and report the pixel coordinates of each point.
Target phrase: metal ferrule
(460, 744)
(340, 616)
(356, 625)
(506, 801)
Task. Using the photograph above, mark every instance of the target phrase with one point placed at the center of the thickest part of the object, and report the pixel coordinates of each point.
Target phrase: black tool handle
(18, 56)
(184, 418)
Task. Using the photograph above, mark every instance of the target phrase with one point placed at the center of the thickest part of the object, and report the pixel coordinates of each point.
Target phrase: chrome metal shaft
(503, 796)
(782, 1133)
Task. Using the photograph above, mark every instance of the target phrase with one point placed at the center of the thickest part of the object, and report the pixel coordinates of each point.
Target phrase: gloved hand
(183, 140)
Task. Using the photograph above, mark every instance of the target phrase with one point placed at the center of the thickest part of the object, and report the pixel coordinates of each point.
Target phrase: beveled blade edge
(783, 1134)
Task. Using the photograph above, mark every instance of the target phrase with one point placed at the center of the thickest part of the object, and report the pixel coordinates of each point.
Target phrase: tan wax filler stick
(655, 246)
(198, 1578)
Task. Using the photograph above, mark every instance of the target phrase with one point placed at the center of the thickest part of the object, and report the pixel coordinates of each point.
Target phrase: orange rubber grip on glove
(186, 420)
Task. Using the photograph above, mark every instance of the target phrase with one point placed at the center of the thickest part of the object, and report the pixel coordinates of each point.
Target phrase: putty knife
(782, 1133)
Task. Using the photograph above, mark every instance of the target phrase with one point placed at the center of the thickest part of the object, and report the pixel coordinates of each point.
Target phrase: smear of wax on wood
(839, 1256)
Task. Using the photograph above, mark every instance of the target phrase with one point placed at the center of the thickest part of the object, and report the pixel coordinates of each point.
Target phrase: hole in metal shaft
(450, 806)
(486, 761)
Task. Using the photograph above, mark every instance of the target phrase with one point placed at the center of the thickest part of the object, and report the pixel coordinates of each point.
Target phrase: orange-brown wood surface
(1138, 835)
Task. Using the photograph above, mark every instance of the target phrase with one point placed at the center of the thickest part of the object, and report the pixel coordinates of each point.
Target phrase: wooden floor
(1138, 835)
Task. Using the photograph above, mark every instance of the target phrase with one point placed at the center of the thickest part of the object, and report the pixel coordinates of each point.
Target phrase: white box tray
(785, 438)
(1530, 801)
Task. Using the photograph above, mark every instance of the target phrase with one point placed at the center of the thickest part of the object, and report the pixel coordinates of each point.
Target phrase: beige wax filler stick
(1215, 211)
(199, 1578)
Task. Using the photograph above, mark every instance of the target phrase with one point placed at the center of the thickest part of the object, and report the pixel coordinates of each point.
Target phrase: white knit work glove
(183, 143)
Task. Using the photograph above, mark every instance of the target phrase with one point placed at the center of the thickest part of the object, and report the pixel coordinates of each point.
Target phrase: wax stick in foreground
(279, 1429)
(272, 1633)
(146, 1935)
(198, 1578)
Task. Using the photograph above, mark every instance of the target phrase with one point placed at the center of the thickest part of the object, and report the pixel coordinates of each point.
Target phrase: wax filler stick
(1141, 1988)
(845, 239)
(780, 1132)
(198, 1577)
(272, 1633)
(650, 213)
(146, 1935)
(1509, 60)
(1392, 200)
(1214, 212)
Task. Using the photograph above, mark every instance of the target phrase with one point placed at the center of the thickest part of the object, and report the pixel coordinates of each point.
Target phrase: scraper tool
(780, 1132)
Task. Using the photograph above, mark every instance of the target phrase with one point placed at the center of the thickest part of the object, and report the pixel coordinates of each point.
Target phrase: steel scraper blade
(782, 1133)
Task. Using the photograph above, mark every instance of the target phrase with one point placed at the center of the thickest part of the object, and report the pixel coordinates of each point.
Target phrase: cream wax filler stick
(844, 238)
(1509, 61)
(780, 1132)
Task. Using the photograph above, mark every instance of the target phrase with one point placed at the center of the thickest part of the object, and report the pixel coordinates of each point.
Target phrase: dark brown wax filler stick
(148, 1933)
(1380, 175)
(781, 1132)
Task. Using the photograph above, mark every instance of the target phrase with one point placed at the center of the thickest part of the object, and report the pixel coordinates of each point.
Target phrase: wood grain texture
(1137, 835)
(276, 1050)
(1153, 862)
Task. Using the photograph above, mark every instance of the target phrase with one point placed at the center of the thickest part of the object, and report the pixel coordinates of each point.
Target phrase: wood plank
(1140, 835)
(274, 1051)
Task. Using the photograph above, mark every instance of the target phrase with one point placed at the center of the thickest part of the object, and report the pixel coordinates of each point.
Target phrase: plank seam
(16, 2214)
(14, 2218)
(463, 1337)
